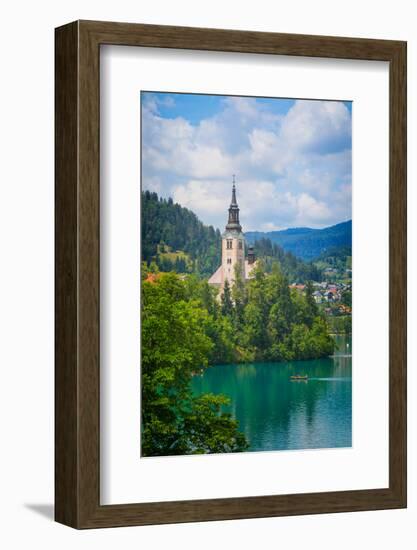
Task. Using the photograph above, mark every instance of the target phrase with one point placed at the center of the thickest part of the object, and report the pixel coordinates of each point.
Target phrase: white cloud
(310, 211)
(202, 197)
(292, 169)
(317, 125)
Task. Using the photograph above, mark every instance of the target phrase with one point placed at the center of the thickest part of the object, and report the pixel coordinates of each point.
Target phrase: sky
(292, 158)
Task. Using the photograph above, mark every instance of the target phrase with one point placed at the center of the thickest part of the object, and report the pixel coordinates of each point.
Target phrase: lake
(276, 413)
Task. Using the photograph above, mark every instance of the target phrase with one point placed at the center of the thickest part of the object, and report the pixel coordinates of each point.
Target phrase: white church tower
(233, 249)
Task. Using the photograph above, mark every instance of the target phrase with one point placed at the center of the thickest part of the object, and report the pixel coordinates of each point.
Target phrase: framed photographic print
(230, 274)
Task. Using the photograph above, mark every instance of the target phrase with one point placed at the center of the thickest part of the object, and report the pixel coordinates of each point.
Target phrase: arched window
(240, 245)
(229, 244)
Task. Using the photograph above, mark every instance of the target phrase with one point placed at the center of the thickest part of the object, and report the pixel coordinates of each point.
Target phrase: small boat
(299, 377)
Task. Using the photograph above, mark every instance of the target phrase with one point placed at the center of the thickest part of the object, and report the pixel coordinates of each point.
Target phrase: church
(233, 250)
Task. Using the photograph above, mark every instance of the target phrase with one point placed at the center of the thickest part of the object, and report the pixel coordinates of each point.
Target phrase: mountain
(307, 243)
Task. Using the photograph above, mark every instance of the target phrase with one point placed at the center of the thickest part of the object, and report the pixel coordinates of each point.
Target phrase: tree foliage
(294, 268)
(167, 224)
(176, 342)
(280, 325)
(185, 328)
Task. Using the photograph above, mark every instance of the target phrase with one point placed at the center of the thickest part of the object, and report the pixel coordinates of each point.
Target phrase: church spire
(234, 202)
(233, 221)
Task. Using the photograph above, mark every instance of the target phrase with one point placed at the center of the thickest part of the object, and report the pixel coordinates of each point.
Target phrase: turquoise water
(276, 413)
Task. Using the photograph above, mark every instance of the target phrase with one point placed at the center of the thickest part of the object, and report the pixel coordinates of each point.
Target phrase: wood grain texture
(66, 236)
(398, 274)
(78, 285)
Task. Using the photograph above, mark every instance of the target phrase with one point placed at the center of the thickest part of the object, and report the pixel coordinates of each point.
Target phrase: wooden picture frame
(77, 374)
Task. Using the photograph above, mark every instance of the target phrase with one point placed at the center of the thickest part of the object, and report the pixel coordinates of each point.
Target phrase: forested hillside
(176, 240)
(308, 243)
(336, 263)
(295, 269)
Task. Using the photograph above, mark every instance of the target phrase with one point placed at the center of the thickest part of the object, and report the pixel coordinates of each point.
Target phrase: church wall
(235, 254)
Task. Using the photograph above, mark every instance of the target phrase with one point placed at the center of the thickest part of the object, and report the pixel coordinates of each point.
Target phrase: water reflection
(277, 413)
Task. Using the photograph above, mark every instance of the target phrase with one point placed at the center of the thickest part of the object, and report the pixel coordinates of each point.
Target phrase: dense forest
(185, 328)
(174, 239)
(336, 255)
(295, 269)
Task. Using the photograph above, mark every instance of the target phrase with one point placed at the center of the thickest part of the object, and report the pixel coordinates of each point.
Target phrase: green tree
(239, 296)
(153, 268)
(210, 431)
(311, 310)
(281, 306)
(347, 298)
(226, 300)
(175, 344)
(323, 343)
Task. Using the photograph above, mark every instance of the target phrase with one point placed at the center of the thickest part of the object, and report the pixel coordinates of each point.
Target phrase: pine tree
(226, 300)
(240, 298)
(311, 306)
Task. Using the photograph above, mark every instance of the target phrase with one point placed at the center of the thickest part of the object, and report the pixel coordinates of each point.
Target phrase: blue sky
(292, 158)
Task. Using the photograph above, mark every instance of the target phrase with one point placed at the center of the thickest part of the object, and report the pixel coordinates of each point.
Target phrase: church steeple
(233, 223)
(233, 251)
